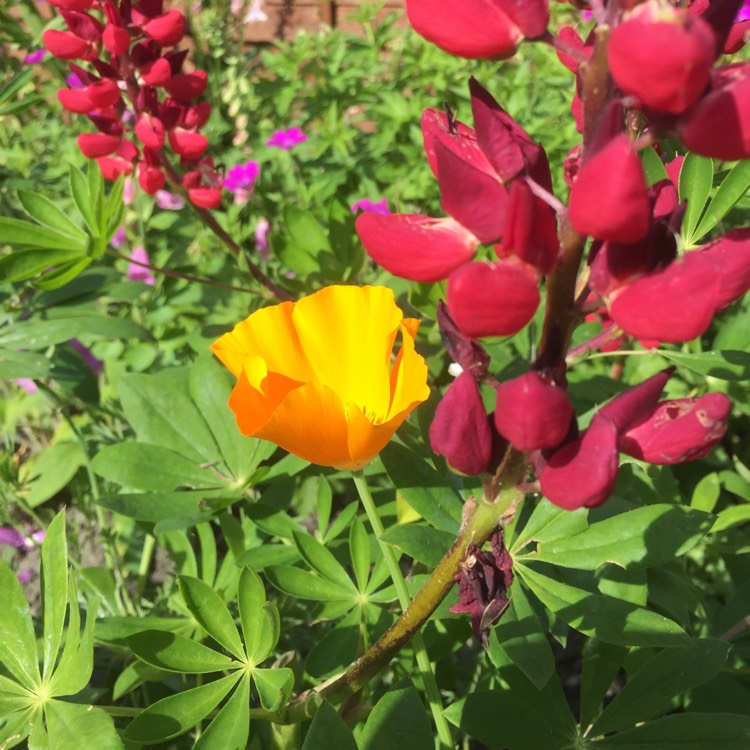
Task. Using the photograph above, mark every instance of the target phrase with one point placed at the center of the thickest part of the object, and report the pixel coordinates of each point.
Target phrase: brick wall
(286, 17)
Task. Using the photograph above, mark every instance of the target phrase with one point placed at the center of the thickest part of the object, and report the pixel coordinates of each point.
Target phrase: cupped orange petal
(347, 334)
(409, 375)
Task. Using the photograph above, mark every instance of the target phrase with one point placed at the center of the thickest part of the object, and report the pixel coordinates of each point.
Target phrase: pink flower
(14, 538)
(169, 201)
(35, 57)
(137, 272)
(376, 207)
(119, 238)
(744, 12)
(74, 82)
(128, 191)
(240, 180)
(27, 384)
(261, 239)
(287, 139)
(93, 362)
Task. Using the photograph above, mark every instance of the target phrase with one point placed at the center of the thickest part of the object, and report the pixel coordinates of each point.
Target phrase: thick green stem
(420, 651)
(477, 529)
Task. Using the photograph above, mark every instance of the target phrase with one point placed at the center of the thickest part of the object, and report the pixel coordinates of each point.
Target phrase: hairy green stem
(500, 496)
(420, 651)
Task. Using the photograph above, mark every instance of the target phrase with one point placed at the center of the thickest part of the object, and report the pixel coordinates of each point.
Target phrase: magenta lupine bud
(532, 413)
(718, 126)
(460, 431)
(583, 472)
(492, 299)
(679, 430)
(675, 304)
(531, 229)
(416, 247)
(609, 198)
(663, 56)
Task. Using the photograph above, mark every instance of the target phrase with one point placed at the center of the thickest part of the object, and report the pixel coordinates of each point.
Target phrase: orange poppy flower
(318, 377)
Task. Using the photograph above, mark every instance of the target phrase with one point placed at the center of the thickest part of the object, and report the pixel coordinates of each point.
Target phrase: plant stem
(423, 659)
(477, 529)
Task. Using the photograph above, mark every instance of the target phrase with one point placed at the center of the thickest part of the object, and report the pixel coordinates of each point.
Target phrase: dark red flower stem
(561, 315)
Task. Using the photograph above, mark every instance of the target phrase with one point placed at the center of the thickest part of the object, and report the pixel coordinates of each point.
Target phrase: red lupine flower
(67, 46)
(75, 100)
(679, 430)
(492, 299)
(609, 199)
(157, 72)
(460, 430)
(672, 79)
(583, 472)
(718, 126)
(188, 143)
(116, 39)
(166, 29)
(532, 413)
(98, 144)
(104, 93)
(150, 131)
(188, 86)
(416, 247)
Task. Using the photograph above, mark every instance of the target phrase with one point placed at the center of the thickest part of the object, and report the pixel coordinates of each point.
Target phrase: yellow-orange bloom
(317, 376)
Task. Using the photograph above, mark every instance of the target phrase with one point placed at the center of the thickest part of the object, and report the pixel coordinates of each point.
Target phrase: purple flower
(25, 576)
(93, 362)
(138, 272)
(375, 207)
(261, 239)
(74, 82)
(744, 12)
(588, 16)
(128, 191)
(14, 538)
(27, 384)
(287, 139)
(169, 201)
(119, 238)
(240, 180)
(35, 57)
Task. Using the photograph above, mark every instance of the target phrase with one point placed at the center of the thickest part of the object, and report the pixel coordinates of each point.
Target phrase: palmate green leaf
(596, 615)
(16, 728)
(207, 543)
(732, 188)
(251, 600)
(422, 543)
(690, 731)
(211, 613)
(706, 493)
(548, 522)
(323, 505)
(155, 507)
(650, 690)
(264, 556)
(320, 559)
(423, 488)
(328, 730)
(54, 589)
(179, 713)
(62, 274)
(696, 180)
(160, 410)
(72, 726)
(175, 653)
(398, 720)
(22, 233)
(15, 364)
(722, 365)
(644, 537)
(653, 166)
(274, 687)
(359, 553)
(79, 188)
(39, 334)
(115, 630)
(601, 663)
(304, 585)
(18, 652)
(45, 212)
(521, 717)
(337, 649)
(231, 727)
(520, 634)
(25, 264)
(139, 466)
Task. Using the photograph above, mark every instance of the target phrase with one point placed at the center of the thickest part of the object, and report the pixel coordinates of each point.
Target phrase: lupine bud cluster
(136, 93)
(661, 78)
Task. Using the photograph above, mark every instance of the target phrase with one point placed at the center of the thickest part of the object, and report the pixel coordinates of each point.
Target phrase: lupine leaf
(176, 653)
(54, 589)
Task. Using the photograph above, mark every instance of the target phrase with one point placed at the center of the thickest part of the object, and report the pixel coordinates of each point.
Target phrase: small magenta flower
(240, 180)
(128, 191)
(262, 246)
(94, 363)
(169, 201)
(14, 538)
(74, 82)
(30, 387)
(119, 238)
(375, 207)
(744, 12)
(137, 272)
(287, 139)
(35, 57)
